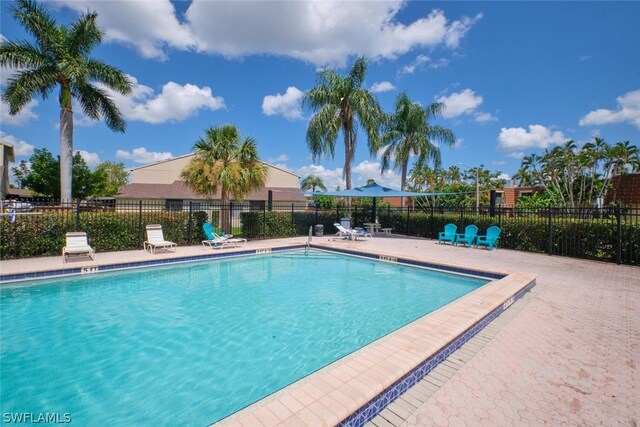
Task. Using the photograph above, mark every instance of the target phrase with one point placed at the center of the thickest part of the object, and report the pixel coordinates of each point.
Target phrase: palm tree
(225, 160)
(625, 157)
(311, 183)
(341, 103)
(408, 132)
(60, 58)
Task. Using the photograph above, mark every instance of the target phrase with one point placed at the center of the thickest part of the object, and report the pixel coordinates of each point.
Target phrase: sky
(516, 77)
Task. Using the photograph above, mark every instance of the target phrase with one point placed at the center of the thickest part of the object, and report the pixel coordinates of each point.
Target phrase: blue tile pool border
(376, 405)
(12, 278)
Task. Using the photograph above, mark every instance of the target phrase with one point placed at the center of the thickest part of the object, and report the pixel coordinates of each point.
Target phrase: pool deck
(567, 353)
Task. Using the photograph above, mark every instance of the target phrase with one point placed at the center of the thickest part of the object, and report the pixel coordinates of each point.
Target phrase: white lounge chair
(155, 239)
(351, 233)
(77, 244)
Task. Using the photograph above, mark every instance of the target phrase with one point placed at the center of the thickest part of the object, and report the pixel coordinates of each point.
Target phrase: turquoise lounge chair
(219, 241)
(449, 234)
(490, 240)
(468, 237)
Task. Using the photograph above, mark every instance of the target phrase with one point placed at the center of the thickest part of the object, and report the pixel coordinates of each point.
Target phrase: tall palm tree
(341, 103)
(226, 161)
(311, 183)
(60, 58)
(408, 132)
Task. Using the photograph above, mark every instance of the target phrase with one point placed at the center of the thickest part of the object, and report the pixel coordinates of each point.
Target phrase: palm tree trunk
(66, 152)
(615, 190)
(225, 212)
(403, 179)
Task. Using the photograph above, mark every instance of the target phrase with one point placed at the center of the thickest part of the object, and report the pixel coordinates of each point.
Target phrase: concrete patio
(567, 353)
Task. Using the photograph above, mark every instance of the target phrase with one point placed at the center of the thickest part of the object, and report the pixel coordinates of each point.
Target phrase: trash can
(319, 230)
(346, 222)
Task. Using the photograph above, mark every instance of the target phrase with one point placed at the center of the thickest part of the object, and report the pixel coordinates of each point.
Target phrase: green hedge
(579, 238)
(268, 224)
(38, 235)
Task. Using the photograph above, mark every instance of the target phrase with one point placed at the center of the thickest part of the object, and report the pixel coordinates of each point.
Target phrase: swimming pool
(193, 343)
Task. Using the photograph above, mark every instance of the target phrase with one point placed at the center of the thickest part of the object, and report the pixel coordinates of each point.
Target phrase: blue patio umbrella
(373, 190)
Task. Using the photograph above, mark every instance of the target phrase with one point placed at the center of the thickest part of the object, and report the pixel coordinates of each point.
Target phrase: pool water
(189, 344)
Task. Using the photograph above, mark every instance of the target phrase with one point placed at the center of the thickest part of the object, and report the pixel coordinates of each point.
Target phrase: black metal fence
(37, 228)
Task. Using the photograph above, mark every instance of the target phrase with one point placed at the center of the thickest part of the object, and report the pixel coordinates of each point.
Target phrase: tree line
(41, 175)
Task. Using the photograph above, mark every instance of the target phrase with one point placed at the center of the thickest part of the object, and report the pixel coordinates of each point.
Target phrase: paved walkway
(570, 356)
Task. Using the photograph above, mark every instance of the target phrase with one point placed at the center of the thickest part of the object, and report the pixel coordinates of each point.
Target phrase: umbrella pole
(373, 211)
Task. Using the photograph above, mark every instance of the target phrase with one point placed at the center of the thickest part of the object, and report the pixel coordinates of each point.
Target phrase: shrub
(270, 224)
(36, 235)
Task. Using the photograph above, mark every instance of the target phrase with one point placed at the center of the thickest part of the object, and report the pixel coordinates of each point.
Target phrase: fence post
(407, 228)
(316, 214)
(500, 216)
(293, 226)
(264, 222)
(77, 215)
(550, 231)
(618, 234)
(139, 223)
(190, 228)
(431, 233)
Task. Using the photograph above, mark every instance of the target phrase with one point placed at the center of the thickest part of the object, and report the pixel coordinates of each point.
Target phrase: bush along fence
(606, 234)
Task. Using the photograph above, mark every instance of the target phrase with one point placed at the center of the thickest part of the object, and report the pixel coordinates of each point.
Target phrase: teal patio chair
(490, 240)
(468, 237)
(449, 234)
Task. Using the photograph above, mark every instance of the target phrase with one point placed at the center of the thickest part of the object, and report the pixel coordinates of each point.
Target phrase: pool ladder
(306, 249)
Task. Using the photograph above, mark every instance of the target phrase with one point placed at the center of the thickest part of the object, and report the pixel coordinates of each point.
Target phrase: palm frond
(21, 54)
(84, 35)
(322, 132)
(111, 76)
(25, 85)
(37, 20)
(97, 104)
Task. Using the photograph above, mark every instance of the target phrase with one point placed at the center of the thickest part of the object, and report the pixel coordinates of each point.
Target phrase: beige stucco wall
(169, 171)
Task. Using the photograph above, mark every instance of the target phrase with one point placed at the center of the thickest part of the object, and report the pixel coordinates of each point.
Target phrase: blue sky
(517, 77)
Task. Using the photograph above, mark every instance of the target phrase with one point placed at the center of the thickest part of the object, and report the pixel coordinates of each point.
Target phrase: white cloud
(281, 158)
(175, 103)
(628, 112)
(423, 61)
(332, 178)
(318, 31)
(504, 176)
(583, 58)
(141, 155)
(20, 147)
(500, 162)
(458, 143)
(22, 117)
(288, 104)
(149, 26)
(516, 155)
(382, 87)
(368, 169)
(92, 159)
(459, 103)
(537, 136)
(485, 117)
